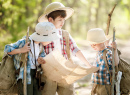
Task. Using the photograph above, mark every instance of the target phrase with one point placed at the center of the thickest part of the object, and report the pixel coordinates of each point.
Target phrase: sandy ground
(84, 86)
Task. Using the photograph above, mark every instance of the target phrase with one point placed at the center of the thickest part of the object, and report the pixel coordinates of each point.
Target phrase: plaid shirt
(50, 47)
(17, 57)
(102, 76)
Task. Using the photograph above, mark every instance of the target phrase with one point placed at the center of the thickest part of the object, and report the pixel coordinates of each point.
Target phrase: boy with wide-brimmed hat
(102, 78)
(45, 33)
(57, 13)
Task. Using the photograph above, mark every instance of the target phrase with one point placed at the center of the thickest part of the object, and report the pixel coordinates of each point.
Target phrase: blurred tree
(17, 15)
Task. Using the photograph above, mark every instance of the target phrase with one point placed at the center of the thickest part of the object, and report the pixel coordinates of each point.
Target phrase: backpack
(124, 67)
(7, 76)
(8, 81)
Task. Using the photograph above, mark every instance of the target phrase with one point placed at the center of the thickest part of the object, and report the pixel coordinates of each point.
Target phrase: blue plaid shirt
(17, 57)
(102, 76)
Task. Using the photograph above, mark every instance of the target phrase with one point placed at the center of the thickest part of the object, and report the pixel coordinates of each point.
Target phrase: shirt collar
(102, 50)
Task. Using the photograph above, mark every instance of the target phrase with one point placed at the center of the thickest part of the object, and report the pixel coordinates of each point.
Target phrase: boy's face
(58, 22)
(98, 47)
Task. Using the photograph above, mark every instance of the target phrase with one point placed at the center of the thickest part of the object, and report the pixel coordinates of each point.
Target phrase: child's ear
(50, 19)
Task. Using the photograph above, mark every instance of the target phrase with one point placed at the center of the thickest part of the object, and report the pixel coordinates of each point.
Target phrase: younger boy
(45, 33)
(101, 78)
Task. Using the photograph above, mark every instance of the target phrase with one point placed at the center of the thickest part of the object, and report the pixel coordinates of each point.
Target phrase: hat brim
(69, 12)
(40, 38)
(91, 42)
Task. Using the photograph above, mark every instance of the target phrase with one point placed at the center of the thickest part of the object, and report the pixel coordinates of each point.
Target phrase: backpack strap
(65, 34)
(106, 63)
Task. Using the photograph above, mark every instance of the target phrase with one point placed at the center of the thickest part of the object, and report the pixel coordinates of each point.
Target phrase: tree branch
(109, 19)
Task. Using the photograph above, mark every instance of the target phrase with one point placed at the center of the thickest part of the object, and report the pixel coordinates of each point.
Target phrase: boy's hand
(26, 48)
(114, 45)
(41, 60)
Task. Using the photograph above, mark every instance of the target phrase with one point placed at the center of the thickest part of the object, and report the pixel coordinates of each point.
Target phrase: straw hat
(96, 36)
(45, 32)
(53, 7)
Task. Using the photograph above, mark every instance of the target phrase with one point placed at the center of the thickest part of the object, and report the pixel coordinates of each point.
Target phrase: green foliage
(15, 17)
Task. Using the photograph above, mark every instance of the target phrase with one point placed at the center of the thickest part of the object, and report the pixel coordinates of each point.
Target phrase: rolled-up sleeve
(11, 47)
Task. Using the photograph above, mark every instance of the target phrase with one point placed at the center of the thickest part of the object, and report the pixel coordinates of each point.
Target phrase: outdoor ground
(83, 86)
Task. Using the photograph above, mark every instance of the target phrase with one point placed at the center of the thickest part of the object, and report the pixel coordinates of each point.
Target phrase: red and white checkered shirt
(50, 47)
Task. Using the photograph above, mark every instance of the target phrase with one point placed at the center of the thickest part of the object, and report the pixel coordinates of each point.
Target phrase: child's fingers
(113, 44)
(27, 44)
(41, 60)
(29, 48)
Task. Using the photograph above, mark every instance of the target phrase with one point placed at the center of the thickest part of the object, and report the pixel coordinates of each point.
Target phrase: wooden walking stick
(113, 64)
(107, 32)
(25, 67)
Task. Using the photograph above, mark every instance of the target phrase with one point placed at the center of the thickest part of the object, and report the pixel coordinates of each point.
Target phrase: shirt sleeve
(12, 46)
(73, 46)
